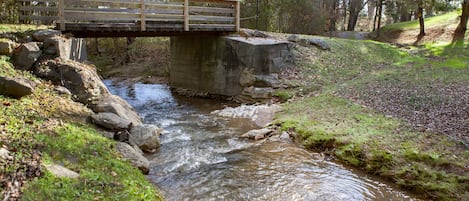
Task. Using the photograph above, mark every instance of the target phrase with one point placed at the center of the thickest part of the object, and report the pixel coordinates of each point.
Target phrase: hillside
(47, 128)
(437, 28)
(398, 113)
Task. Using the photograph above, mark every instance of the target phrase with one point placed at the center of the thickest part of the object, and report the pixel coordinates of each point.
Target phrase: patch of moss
(103, 174)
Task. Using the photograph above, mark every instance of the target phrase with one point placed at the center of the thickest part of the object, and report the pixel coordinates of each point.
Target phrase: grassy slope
(56, 126)
(432, 164)
(437, 28)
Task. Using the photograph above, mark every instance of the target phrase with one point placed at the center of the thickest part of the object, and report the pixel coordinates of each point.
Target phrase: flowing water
(202, 157)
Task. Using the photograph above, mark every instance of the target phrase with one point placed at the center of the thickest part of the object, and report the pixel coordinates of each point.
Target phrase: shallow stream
(202, 157)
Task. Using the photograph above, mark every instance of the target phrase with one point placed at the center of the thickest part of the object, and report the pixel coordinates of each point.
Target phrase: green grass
(323, 120)
(56, 126)
(20, 28)
(103, 175)
(451, 17)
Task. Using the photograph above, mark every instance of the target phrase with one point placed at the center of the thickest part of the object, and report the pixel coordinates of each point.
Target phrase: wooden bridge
(112, 18)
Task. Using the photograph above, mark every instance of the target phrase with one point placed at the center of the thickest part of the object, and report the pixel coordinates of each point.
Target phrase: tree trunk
(421, 20)
(462, 27)
(354, 7)
(380, 14)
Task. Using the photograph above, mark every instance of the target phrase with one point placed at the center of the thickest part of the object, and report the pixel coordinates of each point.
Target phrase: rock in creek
(146, 137)
(133, 156)
(15, 87)
(257, 134)
(117, 105)
(111, 121)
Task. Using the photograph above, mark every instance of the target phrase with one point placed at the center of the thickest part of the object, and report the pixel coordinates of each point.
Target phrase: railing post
(143, 26)
(61, 15)
(238, 16)
(186, 15)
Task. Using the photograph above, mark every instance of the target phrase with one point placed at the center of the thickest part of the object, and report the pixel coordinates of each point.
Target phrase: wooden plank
(186, 15)
(100, 16)
(142, 15)
(212, 18)
(164, 11)
(164, 16)
(166, 5)
(61, 15)
(238, 16)
(36, 17)
(212, 10)
(38, 8)
(52, 1)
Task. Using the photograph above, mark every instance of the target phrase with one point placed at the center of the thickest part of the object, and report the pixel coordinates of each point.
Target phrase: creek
(203, 158)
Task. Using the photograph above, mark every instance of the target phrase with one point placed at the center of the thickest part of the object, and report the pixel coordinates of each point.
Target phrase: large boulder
(146, 137)
(120, 107)
(320, 43)
(44, 34)
(15, 87)
(82, 80)
(66, 48)
(26, 55)
(7, 47)
(111, 121)
(135, 158)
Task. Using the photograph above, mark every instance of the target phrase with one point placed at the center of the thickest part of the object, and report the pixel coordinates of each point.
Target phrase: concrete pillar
(214, 64)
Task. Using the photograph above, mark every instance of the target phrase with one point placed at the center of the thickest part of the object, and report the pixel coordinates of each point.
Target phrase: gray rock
(122, 136)
(81, 79)
(111, 121)
(44, 34)
(16, 87)
(133, 156)
(120, 107)
(267, 81)
(293, 38)
(7, 47)
(146, 137)
(26, 55)
(258, 92)
(66, 48)
(257, 134)
(321, 44)
(5, 154)
(62, 90)
(247, 77)
(62, 172)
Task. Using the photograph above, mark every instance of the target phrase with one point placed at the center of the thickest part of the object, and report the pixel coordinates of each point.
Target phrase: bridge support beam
(215, 64)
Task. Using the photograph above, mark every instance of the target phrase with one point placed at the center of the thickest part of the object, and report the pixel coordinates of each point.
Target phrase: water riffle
(202, 157)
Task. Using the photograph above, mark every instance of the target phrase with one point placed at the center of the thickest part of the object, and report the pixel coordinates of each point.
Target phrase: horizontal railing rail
(134, 15)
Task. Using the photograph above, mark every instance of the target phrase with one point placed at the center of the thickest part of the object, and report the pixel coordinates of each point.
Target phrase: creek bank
(58, 59)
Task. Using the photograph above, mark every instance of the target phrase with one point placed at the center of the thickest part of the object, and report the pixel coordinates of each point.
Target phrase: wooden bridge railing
(134, 15)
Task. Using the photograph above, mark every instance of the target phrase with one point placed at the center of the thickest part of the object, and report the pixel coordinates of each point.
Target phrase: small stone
(257, 134)
(62, 90)
(321, 44)
(293, 38)
(7, 47)
(62, 172)
(146, 137)
(5, 154)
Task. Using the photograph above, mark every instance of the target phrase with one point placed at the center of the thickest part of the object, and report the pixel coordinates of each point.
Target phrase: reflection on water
(202, 158)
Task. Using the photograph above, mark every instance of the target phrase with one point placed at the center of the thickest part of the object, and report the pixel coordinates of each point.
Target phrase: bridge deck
(134, 17)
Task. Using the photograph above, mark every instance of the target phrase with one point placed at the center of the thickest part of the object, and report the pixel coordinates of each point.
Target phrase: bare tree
(462, 27)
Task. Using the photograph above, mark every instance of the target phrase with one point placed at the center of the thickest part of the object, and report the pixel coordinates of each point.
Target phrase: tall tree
(355, 6)
(462, 27)
(420, 17)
